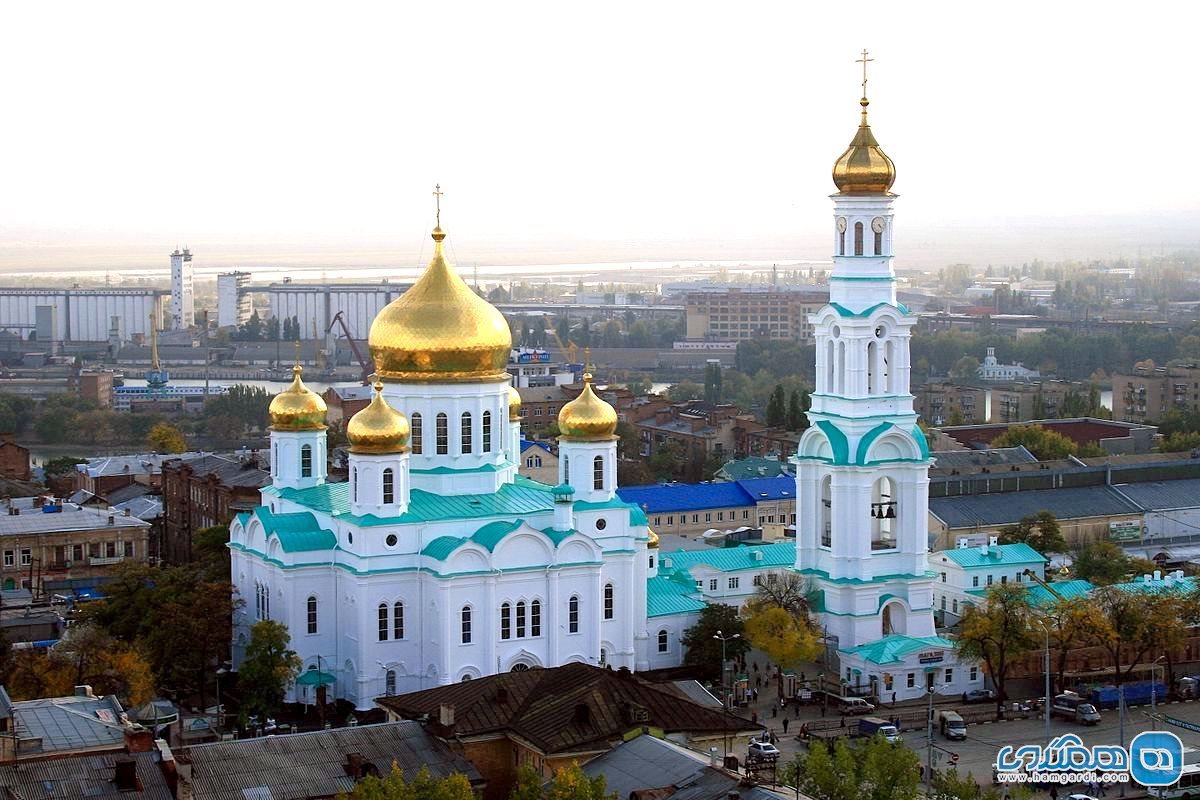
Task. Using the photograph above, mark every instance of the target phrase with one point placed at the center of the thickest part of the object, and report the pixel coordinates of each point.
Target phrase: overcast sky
(580, 122)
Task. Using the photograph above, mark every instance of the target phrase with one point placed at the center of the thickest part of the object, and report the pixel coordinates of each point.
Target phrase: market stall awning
(314, 677)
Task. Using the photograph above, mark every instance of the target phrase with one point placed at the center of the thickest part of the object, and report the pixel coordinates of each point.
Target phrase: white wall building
(993, 370)
(315, 305)
(183, 298)
(82, 315)
(965, 573)
(233, 299)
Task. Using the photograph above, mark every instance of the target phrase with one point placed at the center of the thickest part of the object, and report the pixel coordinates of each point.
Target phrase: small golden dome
(297, 408)
(378, 429)
(514, 405)
(653, 543)
(864, 168)
(440, 331)
(587, 418)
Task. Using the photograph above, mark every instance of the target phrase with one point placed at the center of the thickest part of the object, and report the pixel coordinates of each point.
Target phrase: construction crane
(363, 363)
(1038, 580)
(568, 350)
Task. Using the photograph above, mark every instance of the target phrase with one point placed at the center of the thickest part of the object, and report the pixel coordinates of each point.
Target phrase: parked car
(978, 696)
(951, 724)
(853, 706)
(760, 750)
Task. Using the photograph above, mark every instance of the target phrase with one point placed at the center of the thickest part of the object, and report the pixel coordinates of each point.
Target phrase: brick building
(14, 459)
(1020, 402)
(95, 386)
(1113, 436)
(344, 402)
(1150, 392)
(203, 491)
(695, 426)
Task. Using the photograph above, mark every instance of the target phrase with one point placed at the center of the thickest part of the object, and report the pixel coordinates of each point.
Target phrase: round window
(391, 540)
(880, 332)
(601, 524)
(835, 332)
(350, 537)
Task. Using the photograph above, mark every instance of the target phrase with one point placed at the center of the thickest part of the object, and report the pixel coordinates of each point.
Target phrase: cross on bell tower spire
(437, 195)
(864, 61)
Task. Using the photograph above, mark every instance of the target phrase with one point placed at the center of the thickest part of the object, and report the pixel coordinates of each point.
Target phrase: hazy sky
(636, 122)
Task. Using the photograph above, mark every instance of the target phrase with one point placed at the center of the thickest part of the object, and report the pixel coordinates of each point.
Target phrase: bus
(1187, 788)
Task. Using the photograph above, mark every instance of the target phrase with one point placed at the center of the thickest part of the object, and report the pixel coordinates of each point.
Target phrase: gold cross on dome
(437, 198)
(864, 61)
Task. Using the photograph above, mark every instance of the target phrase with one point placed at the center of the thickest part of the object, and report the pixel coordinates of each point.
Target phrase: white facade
(966, 573)
(82, 315)
(183, 298)
(315, 305)
(233, 299)
(531, 367)
(993, 370)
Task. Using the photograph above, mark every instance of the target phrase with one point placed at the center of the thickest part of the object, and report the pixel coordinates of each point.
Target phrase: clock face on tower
(841, 224)
(877, 225)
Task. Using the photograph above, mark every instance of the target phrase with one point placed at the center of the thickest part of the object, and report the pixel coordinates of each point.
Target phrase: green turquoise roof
(242, 517)
(891, 649)
(563, 490)
(487, 537)
(1068, 589)
(842, 311)
(996, 555)
(730, 559)
(671, 594)
(297, 532)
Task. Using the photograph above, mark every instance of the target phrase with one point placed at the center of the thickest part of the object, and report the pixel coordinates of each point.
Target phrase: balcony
(104, 561)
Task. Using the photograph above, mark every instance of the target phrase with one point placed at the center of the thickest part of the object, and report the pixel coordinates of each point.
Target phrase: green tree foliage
(423, 786)
(241, 409)
(685, 390)
(779, 358)
(965, 367)
(798, 403)
(1137, 622)
(1045, 444)
(1040, 531)
(871, 770)
(777, 408)
(251, 330)
(1180, 442)
(998, 632)
(269, 666)
(16, 413)
(712, 383)
(1102, 563)
(949, 785)
(211, 552)
(702, 648)
(63, 465)
(1072, 623)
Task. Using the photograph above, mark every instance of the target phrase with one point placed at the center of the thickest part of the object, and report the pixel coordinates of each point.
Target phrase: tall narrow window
(573, 614)
(414, 437)
(383, 622)
(389, 486)
(354, 485)
(664, 641)
(598, 472)
(879, 241)
(858, 238)
(443, 435)
(398, 620)
(466, 432)
(830, 366)
(312, 614)
(608, 601)
(389, 683)
(872, 368)
(841, 243)
(306, 461)
(466, 624)
(535, 618)
(487, 431)
(566, 469)
(520, 619)
(505, 621)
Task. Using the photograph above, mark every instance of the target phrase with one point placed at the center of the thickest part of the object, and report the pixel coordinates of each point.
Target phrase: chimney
(125, 774)
(446, 715)
(1158, 574)
(963, 544)
(993, 541)
(138, 739)
(84, 690)
(713, 758)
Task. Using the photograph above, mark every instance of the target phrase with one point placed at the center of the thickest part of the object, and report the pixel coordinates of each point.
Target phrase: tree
(948, 785)
(776, 409)
(1072, 623)
(570, 783)
(166, 438)
(788, 590)
(63, 465)
(423, 786)
(786, 638)
(703, 649)
(1179, 442)
(1040, 531)
(998, 632)
(871, 770)
(965, 367)
(796, 421)
(1138, 622)
(685, 390)
(267, 669)
(712, 383)
(1045, 444)
(211, 553)
(1101, 562)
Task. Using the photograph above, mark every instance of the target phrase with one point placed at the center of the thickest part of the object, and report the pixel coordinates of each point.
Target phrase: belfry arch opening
(827, 511)
(893, 619)
(883, 514)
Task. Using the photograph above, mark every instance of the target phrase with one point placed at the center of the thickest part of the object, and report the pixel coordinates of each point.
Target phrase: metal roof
(730, 559)
(891, 649)
(71, 723)
(669, 497)
(1005, 508)
(754, 467)
(993, 555)
(992, 456)
(781, 487)
(297, 533)
(71, 518)
(302, 765)
(1163, 495)
(84, 776)
(672, 593)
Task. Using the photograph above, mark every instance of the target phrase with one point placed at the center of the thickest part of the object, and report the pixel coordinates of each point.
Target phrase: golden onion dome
(378, 429)
(440, 331)
(297, 408)
(653, 543)
(514, 405)
(587, 418)
(864, 168)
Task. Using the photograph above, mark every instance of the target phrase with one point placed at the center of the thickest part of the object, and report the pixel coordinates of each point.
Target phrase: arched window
(598, 472)
(889, 367)
(877, 227)
(306, 461)
(520, 619)
(466, 626)
(858, 238)
(398, 620)
(664, 642)
(312, 614)
(258, 601)
(389, 683)
(443, 434)
(566, 469)
(389, 486)
(354, 485)
(841, 368)
(505, 621)
(827, 512)
(573, 614)
(535, 618)
(383, 622)
(841, 243)
(608, 601)
(266, 602)
(603, 657)
(466, 431)
(414, 437)
(830, 366)
(872, 368)
(520, 666)
(487, 431)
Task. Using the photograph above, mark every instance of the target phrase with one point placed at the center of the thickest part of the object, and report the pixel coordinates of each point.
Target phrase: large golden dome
(440, 331)
(297, 408)
(587, 418)
(864, 168)
(378, 428)
(514, 405)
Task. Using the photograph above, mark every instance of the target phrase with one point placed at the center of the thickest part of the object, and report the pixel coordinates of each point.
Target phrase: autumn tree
(423, 786)
(998, 633)
(787, 590)
(269, 666)
(1072, 623)
(1138, 622)
(166, 438)
(786, 638)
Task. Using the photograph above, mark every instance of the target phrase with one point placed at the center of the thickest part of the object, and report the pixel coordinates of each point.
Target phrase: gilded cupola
(864, 168)
(587, 418)
(440, 331)
(514, 405)
(297, 408)
(378, 429)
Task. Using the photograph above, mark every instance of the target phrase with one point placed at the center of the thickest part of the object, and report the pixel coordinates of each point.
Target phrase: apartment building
(939, 402)
(734, 314)
(1150, 393)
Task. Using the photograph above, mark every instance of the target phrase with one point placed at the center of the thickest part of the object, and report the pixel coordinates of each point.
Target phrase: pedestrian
(774, 712)
(798, 711)
(785, 724)
(822, 711)
(803, 679)
(754, 717)
(755, 666)
(1054, 792)
(893, 699)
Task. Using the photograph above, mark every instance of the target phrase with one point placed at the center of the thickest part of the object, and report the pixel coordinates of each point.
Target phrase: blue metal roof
(1005, 508)
(669, 497)
(781, 487)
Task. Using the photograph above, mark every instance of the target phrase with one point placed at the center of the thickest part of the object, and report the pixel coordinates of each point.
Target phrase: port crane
(363, 362)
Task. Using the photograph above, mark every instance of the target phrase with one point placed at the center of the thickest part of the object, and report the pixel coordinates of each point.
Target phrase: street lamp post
(1046, 628)
(1154, 691)
(725, 691)
(929, 743)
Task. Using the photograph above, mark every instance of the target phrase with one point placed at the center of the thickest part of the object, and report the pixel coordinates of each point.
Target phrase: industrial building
(734, 314)
(233, 299)
(183, 296)
(80, 315)
(315, 305)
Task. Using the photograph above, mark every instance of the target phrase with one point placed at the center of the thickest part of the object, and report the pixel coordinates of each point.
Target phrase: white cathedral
(436, 562)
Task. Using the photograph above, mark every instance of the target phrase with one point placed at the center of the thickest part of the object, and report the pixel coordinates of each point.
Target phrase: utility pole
(1121, 713)
(929, 744)
(725, 693)
(1048, 699)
